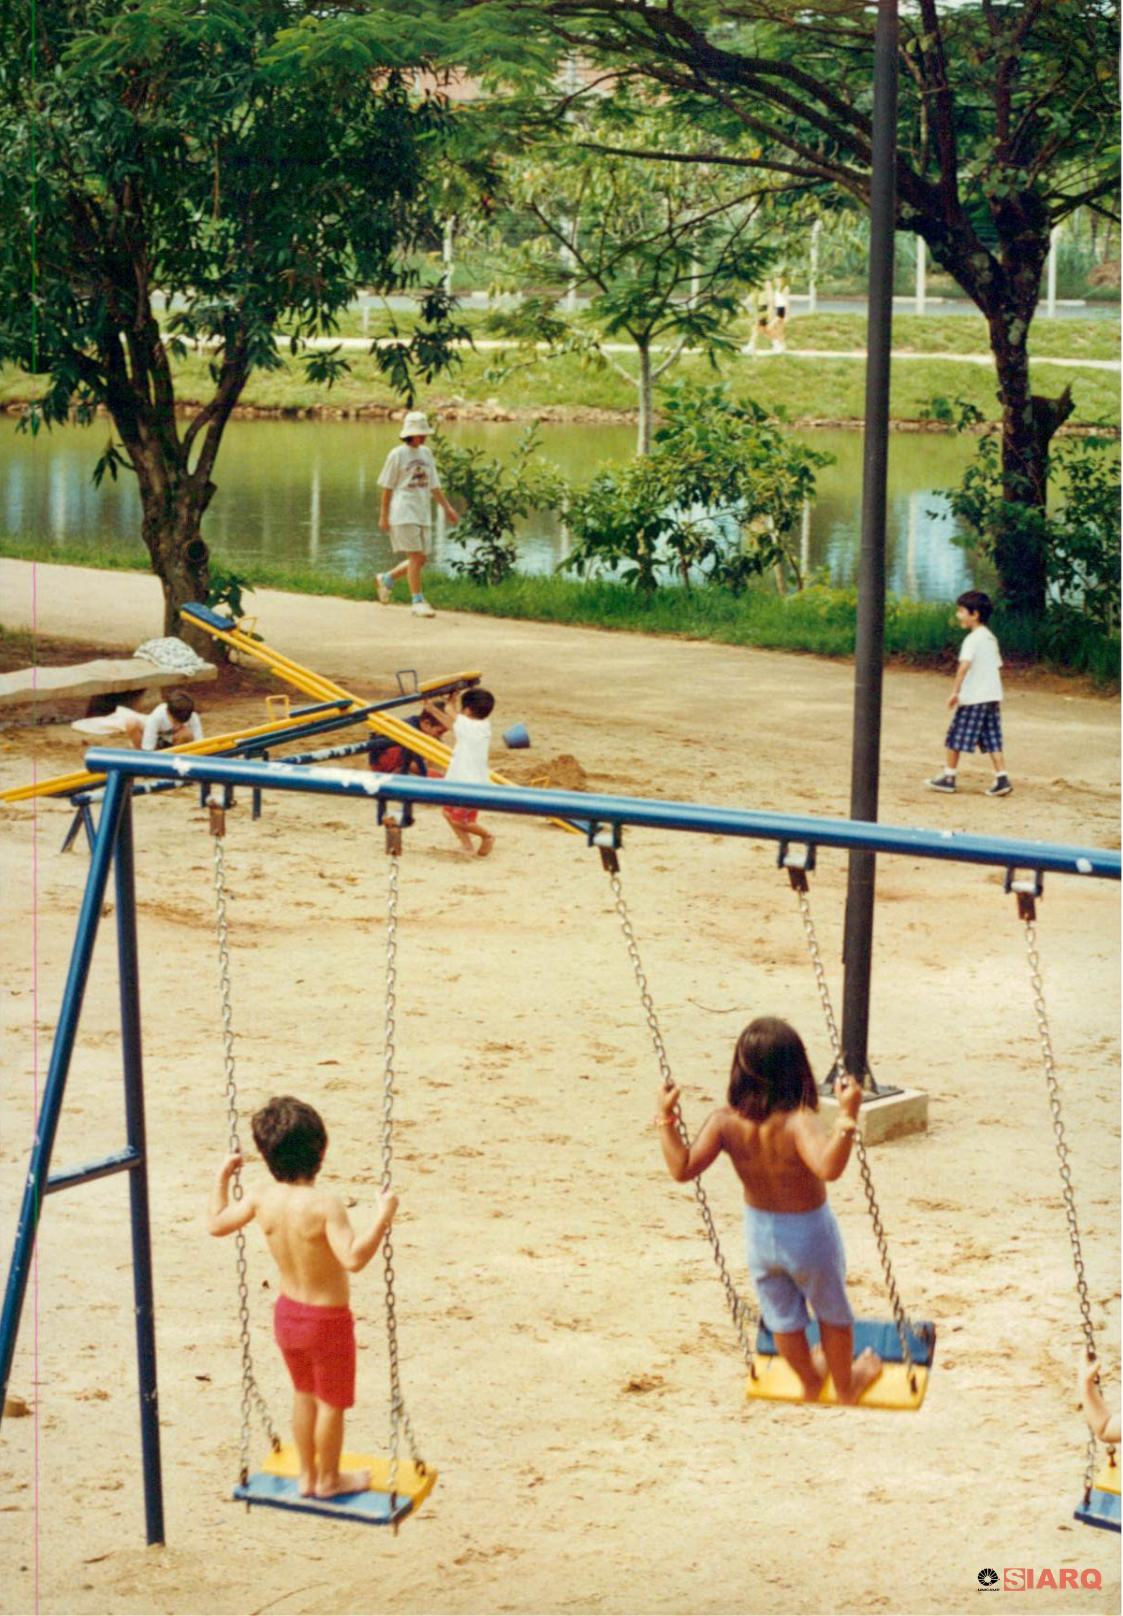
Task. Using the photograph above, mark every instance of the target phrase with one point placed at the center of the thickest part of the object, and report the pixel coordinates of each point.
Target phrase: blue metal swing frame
(600, 816)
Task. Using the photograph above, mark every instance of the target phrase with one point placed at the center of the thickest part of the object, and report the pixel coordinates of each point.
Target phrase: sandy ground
(566, 1357)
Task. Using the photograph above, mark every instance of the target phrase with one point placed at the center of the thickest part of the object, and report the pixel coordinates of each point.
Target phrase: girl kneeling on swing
(783, 1158)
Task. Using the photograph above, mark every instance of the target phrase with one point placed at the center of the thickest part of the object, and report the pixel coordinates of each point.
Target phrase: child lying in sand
(315, 1248)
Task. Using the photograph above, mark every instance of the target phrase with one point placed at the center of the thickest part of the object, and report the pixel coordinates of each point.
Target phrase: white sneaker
(422, 608)
(384, 590)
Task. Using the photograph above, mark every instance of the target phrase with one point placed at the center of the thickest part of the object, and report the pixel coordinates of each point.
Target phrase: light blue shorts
(796, 1261)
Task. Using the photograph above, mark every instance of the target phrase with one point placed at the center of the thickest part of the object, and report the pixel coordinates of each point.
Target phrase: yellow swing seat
(773, 1380)
(275, 1485)
(1102, 1507)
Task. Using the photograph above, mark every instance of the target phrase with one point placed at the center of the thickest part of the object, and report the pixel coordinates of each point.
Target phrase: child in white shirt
(410, 482)
(976, 698)
(468, 717)
(173, 723)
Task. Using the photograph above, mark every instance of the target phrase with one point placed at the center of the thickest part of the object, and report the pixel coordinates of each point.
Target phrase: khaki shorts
(411, 536)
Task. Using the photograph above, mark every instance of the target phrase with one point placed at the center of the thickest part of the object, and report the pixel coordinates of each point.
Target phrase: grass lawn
(807, 389)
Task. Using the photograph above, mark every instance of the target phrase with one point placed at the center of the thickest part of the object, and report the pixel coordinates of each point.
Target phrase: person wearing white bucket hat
(410, 482)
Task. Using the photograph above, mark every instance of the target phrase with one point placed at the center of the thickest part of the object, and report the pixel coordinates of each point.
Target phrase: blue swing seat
(1102, 1506)
(276, 1486)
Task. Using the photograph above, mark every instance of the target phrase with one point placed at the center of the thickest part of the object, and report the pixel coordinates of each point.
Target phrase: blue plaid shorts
(978, 727)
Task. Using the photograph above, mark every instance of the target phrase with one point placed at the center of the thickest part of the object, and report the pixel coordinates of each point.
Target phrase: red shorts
(318, 1345)
(462, 816)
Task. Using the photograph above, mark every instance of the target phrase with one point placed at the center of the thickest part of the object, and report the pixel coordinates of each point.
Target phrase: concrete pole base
(883, 1117)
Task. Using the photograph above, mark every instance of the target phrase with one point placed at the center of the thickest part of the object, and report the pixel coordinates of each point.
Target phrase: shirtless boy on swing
(316, 1249)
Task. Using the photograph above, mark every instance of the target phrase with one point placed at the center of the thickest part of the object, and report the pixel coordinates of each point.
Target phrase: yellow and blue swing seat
(276, 1486)
(1101, 1507)
(775, 1381)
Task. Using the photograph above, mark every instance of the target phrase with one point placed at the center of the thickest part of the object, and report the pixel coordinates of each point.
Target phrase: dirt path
(566, 1357)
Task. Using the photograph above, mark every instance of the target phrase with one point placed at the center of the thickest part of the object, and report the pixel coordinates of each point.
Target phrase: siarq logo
(988, 1578)
(1020, 1577)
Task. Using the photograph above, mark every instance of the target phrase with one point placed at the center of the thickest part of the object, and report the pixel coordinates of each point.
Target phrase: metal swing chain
(1028, 914)
(738, 1307)
(251, 1396)
(900, 1317)
(399, 1417)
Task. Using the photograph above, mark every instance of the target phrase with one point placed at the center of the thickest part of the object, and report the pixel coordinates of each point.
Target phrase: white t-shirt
(469, 755)
(160, 722)
(413, 475)
(982, 681)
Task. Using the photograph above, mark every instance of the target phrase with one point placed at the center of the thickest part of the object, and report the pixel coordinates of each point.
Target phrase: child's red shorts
(318, 1345)
(462, 816)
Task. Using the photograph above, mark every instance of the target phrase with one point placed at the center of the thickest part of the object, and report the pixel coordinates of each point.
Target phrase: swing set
(401, 1484)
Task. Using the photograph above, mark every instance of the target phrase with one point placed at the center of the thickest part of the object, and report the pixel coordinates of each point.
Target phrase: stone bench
(34, 694)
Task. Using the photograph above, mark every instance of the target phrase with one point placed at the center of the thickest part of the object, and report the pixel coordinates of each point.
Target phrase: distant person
(783, 1158)
(315, 1248)
(173, 723)
(976, 698)
(1104, 1426)
(760, 313)
(410, 482)
(468, 717)
(780, 322)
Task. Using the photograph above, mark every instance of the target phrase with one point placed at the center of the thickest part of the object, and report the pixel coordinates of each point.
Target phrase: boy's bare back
(298, 1221)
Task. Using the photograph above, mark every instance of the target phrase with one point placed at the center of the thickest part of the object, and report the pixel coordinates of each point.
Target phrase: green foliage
(497, 494)
(718, 498)
(227, 589)
(660, 253)
(1078, 533)
(179, 175)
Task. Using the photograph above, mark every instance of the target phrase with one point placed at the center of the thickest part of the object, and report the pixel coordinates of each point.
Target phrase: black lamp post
(869, 648)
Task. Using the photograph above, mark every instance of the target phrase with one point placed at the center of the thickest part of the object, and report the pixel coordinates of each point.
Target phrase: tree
(232, 166)
(660, 257)
(718, 499)
(1008, 125)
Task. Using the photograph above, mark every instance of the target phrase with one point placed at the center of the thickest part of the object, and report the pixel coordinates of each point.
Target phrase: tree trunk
(1028, 425)
(173, 505)
(645, 392)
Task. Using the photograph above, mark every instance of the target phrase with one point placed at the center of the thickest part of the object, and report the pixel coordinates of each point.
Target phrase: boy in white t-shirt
(410, 482)
(173, 723)
(468, 717)
(976, 697)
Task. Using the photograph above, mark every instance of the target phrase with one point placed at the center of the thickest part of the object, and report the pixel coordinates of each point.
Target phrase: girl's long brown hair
(771, 1071)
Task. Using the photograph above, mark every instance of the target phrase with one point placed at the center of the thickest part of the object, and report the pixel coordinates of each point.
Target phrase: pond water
(303, 493)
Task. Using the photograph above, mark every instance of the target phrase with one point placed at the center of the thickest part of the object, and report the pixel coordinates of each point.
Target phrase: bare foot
(487, 842)
(307, 1484)
(867, 1368)
(347, 1481)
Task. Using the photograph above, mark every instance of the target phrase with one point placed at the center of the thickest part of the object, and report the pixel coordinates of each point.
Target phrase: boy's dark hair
(771, 1071)
(180, 706)
(977, 600)
(291, 1138)
(477, 702)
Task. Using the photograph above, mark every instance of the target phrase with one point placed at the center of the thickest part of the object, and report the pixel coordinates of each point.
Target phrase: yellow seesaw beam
(314, 684)
(63, 785)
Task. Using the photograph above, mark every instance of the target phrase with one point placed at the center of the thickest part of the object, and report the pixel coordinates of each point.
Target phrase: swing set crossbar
(592, 810)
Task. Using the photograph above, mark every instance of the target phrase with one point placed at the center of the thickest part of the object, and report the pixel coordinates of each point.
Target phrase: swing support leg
(143, 1293)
